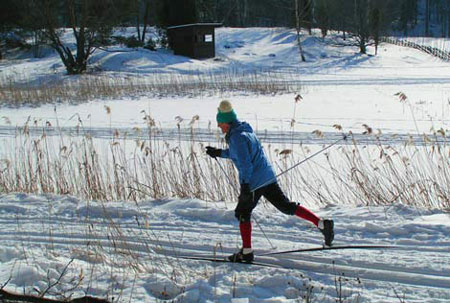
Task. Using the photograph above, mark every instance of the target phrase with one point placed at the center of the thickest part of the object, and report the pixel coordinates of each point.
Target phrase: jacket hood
(238, 126)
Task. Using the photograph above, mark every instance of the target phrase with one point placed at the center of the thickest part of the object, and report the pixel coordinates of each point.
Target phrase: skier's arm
(216, 152)
(225, 153)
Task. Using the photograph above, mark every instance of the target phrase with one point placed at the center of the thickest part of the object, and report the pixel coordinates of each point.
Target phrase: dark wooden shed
(193, 40)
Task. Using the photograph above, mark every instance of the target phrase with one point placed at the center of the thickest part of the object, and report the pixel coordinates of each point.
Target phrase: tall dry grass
(19, 91)
(109, 170)
(382, 174)
(135, 169)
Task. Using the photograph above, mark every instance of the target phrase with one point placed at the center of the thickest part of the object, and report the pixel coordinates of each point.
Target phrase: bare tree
(443, 15)
(427, 18)
(448, 18)
(9, 19)
(142, 15)
(339, 16)
(90, 22)
(242, 11)
(298, 17)
(375, 20)
(322, 15)
(407, 14)
(361, 26)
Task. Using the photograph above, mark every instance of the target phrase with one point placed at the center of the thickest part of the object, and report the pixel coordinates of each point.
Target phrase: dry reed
(116, 169)
(19, 91)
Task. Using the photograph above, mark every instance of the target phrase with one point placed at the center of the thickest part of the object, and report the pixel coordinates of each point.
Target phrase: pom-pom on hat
(225, 112)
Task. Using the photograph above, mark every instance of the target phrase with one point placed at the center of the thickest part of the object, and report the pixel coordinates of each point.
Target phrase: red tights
(246, 227)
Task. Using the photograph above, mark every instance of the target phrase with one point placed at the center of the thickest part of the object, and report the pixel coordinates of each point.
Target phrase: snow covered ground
(130, 252)
(354, 89)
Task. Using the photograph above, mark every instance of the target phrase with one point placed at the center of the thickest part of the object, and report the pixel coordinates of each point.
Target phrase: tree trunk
(443, 19)
(362, 45)
(414, 4)
(448, 18)
(242, 12)
(138, 23)
(238, 13)
(375, 21)
(405, 16)
(36, 45)
(427, 18)
(297, 26)
(146, 21)
(245, 12)
(80, 65)
(362, 30)
(309, 15)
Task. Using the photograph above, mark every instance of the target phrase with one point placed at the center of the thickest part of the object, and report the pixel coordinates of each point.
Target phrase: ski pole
(226, 175)
(232, 184)
(302, 161)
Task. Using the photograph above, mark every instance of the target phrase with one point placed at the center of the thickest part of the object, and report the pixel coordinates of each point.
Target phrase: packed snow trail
(207, 135)
(43, 232)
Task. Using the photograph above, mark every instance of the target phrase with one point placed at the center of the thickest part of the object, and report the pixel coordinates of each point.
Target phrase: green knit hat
(225, 112)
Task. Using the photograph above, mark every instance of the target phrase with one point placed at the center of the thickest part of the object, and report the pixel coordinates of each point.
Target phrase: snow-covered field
(130, 252)
(339, 85)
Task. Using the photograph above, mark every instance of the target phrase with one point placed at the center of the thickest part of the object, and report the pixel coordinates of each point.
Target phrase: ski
(321, 248)
(327, 248)
(224, 260)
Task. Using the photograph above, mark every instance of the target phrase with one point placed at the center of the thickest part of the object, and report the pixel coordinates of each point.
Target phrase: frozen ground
(128, 251)
(107, 242)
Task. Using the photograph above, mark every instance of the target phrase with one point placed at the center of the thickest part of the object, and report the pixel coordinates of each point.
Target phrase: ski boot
(240, 257)
(327, 229)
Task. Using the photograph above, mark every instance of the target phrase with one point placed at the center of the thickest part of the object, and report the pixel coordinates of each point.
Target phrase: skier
(257, 178)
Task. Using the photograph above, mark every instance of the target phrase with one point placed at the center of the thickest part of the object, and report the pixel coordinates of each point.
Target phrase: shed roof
(195, 24)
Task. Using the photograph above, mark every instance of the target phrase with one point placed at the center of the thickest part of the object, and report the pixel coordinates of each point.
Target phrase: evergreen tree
(305, 8)
(322, 13)
(206, 10)
(10, 16)
(408, 14)
(427, 18)
(448, 18)
(176, 12)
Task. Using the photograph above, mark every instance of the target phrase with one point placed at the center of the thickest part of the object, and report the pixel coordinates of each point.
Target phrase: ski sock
(247, 251)
(321, 224)
(246, 234)
(306, 214)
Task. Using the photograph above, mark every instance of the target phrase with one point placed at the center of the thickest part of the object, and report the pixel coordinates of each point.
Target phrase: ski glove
(213, 152)
(246, 196)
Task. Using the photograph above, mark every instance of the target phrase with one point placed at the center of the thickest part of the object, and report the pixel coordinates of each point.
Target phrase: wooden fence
(444, 55)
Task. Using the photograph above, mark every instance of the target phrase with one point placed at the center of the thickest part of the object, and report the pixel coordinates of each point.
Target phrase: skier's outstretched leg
(275, 195)
(326, 226)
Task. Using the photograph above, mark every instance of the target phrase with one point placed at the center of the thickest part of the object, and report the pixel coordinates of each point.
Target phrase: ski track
(206, 135)
(173, 235)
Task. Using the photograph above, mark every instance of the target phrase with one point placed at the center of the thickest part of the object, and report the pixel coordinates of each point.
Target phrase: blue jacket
(248, 156)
